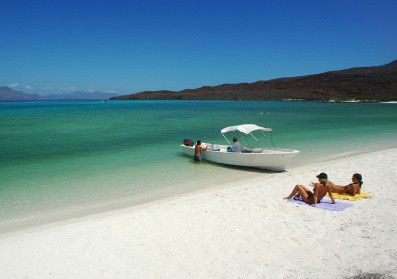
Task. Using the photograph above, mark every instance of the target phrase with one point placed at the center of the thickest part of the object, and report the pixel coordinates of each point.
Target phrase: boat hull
(269, 159)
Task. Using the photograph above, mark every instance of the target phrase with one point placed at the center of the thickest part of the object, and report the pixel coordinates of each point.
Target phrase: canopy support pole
(226, 138)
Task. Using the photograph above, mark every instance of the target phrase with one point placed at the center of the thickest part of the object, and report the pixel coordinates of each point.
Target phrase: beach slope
(239, 230)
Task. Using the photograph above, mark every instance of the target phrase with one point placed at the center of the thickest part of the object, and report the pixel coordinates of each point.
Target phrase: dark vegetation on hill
(362, 84)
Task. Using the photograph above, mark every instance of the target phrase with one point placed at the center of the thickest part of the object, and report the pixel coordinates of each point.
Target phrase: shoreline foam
(242, 229)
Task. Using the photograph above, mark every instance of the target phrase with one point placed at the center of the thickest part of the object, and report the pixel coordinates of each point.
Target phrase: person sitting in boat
(237, 147)
(197, 152)
(319, 191)
(351, 189)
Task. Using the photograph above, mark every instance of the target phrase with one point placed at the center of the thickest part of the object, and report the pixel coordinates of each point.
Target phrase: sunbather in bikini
(351, 189)
(319, 191)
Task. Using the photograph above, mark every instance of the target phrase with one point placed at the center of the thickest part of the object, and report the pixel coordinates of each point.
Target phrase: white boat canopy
(245, 128)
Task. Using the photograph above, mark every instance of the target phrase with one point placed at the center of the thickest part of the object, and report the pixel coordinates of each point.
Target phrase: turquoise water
(60, 159)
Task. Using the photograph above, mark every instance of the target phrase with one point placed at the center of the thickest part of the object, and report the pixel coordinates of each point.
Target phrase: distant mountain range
(362, 84)
(377, 83)
(8, 94)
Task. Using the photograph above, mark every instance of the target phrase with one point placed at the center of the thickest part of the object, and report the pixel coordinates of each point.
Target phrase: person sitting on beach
(351, 189)
(197, 151)
(237, 147)
(319, 191)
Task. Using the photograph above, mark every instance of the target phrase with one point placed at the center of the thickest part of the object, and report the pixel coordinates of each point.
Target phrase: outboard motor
(188, 142)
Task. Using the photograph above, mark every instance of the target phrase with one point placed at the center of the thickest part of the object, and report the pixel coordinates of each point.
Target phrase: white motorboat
(274, 159)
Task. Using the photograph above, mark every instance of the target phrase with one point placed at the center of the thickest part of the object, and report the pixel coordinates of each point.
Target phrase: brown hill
(367, 83)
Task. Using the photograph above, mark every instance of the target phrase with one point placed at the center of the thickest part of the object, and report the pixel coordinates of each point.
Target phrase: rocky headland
(377, 83)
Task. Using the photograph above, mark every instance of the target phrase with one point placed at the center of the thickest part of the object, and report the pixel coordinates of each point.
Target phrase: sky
(125, 47)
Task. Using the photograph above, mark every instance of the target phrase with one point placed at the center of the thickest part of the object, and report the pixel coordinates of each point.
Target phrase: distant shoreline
(283, 100)
(359, 84)
(365, 84)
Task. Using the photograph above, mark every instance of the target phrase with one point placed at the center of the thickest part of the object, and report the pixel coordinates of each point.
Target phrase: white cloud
(48, 88)
(13, 84)
(28, 87)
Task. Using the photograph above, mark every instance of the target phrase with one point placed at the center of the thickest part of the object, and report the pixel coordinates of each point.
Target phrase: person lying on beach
(319, 191)
(197, 152)
(351, 189)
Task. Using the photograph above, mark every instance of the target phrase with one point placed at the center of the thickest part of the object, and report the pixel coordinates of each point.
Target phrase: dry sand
(240, 230)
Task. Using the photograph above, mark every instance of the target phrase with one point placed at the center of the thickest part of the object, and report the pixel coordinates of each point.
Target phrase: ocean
(62, 159)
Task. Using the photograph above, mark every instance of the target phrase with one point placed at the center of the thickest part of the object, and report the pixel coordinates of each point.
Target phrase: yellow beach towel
(360, 196)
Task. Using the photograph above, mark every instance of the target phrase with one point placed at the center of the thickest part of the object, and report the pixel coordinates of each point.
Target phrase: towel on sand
(360, 196)
(325, 204)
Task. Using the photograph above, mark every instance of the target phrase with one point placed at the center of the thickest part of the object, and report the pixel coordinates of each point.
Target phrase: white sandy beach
(240, 230)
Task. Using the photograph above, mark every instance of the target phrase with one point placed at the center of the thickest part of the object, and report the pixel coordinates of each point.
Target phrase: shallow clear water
(64, 158)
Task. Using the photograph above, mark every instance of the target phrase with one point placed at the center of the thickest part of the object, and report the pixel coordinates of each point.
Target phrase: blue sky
(130, 46)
